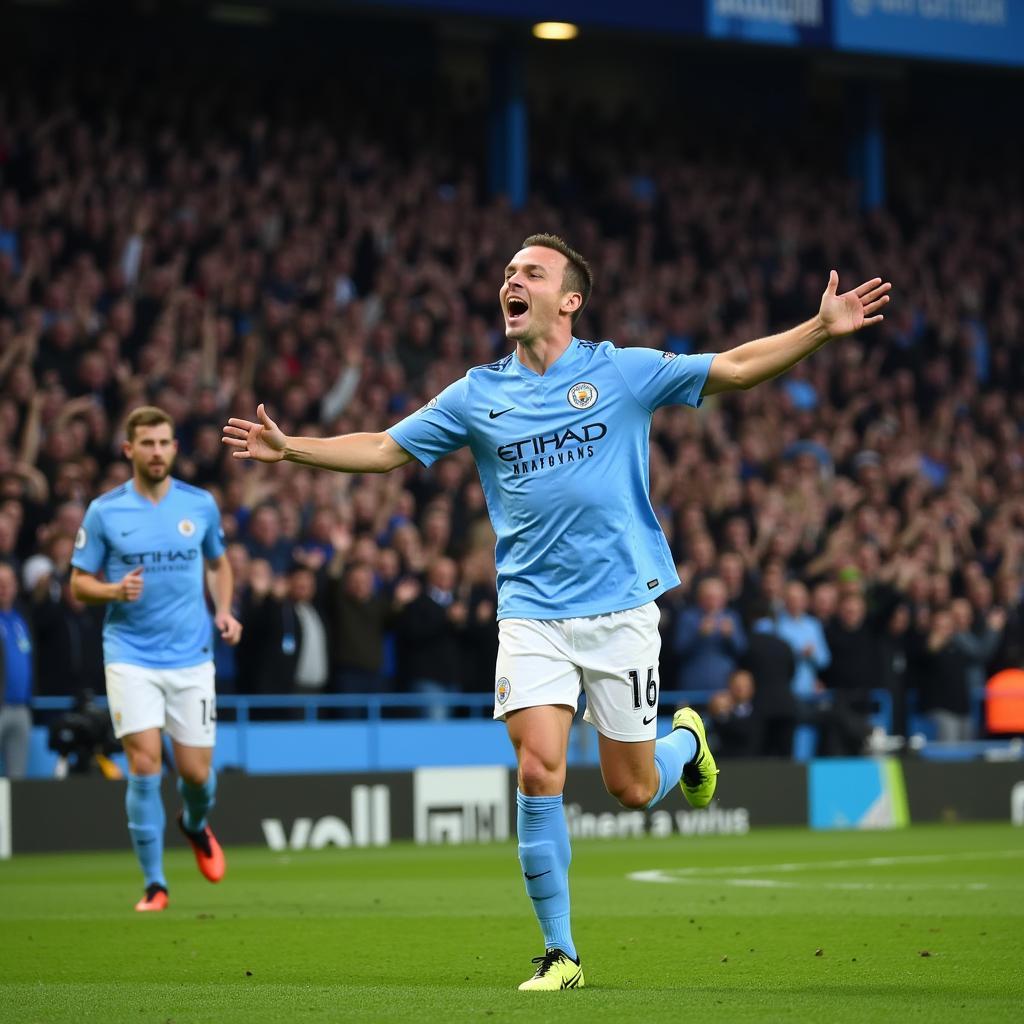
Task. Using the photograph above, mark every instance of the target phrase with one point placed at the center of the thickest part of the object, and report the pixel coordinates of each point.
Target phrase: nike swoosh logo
(530, 877)
(124, 533)
(647, 721)
(494, 415)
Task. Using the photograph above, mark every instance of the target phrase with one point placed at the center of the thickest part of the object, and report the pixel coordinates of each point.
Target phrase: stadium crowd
(857, 524)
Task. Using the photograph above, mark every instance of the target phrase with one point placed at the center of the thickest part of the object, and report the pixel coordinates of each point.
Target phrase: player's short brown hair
(146, 416)
(578, 276)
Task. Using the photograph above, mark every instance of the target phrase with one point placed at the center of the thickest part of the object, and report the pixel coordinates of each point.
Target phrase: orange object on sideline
(1004, 701)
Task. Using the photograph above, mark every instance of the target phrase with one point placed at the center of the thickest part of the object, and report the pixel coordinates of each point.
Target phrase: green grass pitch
(925, 924)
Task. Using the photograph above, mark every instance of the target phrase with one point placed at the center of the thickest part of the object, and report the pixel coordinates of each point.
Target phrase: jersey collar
(144, 500)
(564, 360)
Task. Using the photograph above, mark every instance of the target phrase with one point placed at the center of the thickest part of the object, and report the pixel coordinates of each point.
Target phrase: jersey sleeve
(213, 537)
(91, 547)
(663, 378)
(438, 428)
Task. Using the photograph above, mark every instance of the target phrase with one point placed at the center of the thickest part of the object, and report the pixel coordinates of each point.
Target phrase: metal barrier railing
(374, 705)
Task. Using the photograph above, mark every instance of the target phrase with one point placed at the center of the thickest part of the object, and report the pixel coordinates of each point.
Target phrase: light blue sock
(671, 752)
(198, 800)
(545, 854)
(146, 825)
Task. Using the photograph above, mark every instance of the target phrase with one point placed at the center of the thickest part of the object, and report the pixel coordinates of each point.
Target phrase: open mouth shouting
(517, 309)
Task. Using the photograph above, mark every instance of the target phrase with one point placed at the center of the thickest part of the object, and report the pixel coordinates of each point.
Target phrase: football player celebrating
(559, 431)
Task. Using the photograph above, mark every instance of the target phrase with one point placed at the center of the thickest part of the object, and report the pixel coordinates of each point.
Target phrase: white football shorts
(613, 658)
(180, 700)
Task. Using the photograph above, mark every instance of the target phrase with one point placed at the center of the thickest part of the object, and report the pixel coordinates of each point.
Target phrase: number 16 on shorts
(645, 697)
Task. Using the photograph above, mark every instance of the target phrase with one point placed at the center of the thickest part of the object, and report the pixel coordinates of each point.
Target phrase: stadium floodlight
(556, 30)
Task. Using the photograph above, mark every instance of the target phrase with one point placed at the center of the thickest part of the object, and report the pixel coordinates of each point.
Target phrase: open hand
(849, 312)
(262, 441)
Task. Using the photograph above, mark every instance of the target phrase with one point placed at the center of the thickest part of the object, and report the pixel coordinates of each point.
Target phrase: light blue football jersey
(169, 626)
(563, 461)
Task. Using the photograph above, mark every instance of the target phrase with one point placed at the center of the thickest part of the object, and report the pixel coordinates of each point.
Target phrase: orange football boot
(209, 856)
(155, 898)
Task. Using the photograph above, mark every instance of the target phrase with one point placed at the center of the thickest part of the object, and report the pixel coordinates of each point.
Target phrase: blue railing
(373, 704)
(396, 731)
(382, 729)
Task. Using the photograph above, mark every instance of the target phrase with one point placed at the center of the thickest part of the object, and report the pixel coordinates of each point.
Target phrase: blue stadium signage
(974, 31)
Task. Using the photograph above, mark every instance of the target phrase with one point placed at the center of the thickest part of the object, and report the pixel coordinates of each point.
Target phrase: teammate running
(151, 538)
(559, 431)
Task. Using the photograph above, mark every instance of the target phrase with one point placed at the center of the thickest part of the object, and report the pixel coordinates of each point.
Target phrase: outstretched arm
(349, 453)
(756, 361)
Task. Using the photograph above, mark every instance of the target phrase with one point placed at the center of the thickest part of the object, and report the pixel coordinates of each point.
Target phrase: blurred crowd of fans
(858, 524)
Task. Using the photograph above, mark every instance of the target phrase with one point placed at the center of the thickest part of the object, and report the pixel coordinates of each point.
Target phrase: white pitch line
(696, 875)
(778, 883)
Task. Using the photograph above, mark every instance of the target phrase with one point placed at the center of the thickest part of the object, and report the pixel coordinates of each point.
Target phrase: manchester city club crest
(502, 689)
(186, 528)
(582, 395)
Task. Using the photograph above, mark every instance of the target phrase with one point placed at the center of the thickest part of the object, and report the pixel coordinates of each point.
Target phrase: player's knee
(537, 778)
(194, 775)
(142, 762)
(634, 795)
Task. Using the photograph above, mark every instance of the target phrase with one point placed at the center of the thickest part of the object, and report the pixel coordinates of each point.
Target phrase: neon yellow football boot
(556, 970)
(700, 776)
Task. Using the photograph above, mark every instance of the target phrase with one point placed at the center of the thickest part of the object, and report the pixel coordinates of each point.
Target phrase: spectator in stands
(68, 634)
(825, 602)
(734, 720)
(733, 573)
(854, 670)
(312, 654)
(806, 638)
(358, 618)
(290, 655)
(771, 664)
(266, 655)
(8, 542)
(896, 649)
(16, 670)
(979, 643)
(266, 541)
(944, 680)
(709, 639)
(1010, 652)
(429, 632)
